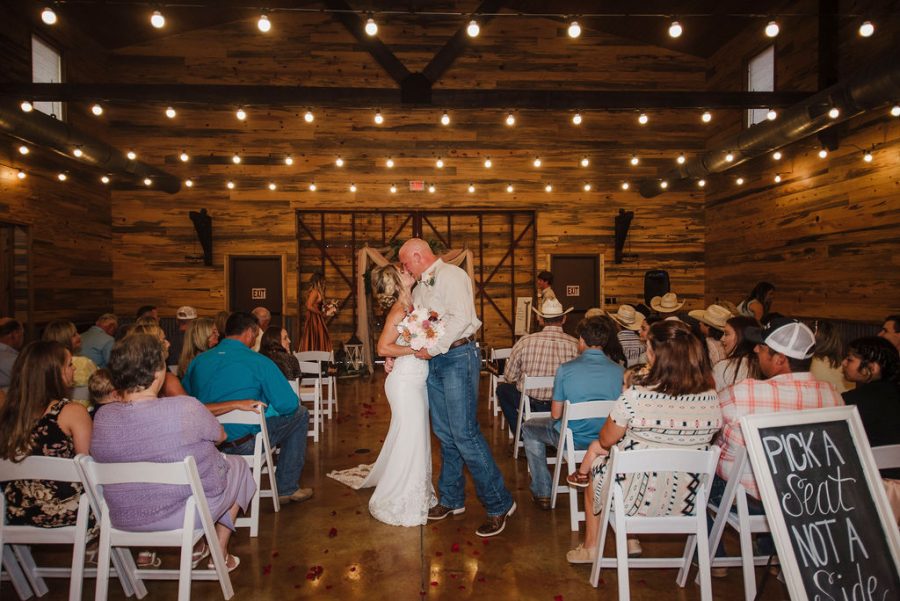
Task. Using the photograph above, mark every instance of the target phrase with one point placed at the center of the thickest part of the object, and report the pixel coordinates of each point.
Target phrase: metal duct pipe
(42, 130)
(870, 87)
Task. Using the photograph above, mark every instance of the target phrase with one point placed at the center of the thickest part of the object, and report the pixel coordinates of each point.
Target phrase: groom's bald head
(416, 256)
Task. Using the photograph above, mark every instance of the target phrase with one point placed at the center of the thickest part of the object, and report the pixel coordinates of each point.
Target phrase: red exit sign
(416, 185)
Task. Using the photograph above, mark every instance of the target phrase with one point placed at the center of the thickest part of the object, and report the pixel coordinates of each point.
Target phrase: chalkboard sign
(826, 505)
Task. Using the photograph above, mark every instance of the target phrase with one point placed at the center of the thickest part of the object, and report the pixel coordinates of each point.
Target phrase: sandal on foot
(231, 562)
(578, 480)
(198, 556)
(147, 560)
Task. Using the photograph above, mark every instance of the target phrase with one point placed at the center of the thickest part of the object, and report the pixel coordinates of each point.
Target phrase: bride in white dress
(402, 473)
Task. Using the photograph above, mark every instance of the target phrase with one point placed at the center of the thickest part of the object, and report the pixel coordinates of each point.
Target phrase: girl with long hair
(65, 333)
(201, 335)
(740, 360)
(828, 355)
(759, 303)
(276, 345)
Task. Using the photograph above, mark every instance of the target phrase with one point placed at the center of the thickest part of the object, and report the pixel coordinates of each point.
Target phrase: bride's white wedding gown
(402, 473)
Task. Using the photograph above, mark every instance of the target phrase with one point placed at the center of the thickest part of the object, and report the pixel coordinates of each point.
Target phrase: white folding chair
(701, 463)
(887, 456)
(323, 358)
(309, 390)
(568, 454)
(525, 412)
(261, 462)
(745, 524)
(493, 405)
(98, 475)
(27, 577)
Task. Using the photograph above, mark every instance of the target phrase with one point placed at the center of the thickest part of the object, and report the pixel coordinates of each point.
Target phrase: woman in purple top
(142, 427)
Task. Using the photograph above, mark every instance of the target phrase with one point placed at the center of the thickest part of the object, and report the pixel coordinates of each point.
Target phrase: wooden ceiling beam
(274, 96)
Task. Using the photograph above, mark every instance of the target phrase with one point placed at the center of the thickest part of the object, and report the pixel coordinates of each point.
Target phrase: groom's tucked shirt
(447, 290)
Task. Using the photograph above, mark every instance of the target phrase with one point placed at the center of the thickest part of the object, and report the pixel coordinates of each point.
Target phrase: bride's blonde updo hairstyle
(386, 285)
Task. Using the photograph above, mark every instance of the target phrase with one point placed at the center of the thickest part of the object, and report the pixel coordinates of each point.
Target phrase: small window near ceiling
(760, 78)
(46, 67)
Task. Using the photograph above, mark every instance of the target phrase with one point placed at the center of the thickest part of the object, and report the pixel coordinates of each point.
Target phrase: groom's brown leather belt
(463, 341)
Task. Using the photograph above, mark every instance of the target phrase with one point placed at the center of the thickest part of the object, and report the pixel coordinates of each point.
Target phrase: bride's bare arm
(387, 343)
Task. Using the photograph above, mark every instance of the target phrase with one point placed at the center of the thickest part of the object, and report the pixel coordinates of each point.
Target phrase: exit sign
(416, 185)
(573, 290)
(258, 293)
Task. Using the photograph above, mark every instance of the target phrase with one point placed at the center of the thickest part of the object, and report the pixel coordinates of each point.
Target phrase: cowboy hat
(628, 317)
(667, 303)
(714, 316)
(551, 309)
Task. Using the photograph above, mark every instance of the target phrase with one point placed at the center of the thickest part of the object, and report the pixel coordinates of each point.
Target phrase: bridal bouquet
(329, 307)
(421, 328)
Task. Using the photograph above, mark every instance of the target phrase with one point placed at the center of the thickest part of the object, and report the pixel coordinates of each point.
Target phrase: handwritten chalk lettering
(863, 589)
(798, 451)
(830, 448)
(815, 498)
(854, 539)
(814, 541)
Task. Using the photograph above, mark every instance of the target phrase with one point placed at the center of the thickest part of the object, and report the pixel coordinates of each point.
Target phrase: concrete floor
(330, 548)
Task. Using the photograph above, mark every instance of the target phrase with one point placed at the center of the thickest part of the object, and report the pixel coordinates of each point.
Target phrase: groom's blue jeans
(453, 403)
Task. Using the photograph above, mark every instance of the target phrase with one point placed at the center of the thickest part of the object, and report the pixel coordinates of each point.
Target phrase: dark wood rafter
(442, 239)
(323, 249)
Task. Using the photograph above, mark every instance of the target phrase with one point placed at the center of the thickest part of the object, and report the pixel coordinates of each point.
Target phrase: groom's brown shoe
(439, 512)
(495, 523)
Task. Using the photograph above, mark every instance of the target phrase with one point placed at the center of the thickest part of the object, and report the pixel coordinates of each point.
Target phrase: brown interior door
(256, 282)
(576, 282)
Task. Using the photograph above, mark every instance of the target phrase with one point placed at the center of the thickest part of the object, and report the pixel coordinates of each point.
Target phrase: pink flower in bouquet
(421, 328)
(329, 308)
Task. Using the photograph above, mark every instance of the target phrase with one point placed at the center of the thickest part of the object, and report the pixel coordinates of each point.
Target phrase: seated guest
(759, 303)
(102, 389)
(185, 315)
(97, 341)
(231, 371)
(667, 304)
(201, 335)
(165, 430)
(740, 360)
(148, 311)
(591, 376)
(827, 356)
(64, 332)
(712, 328)
(276, 345)
(171, 384)
(12, 336)
(538, 354)
(890, 330)
(221, 319)
(629, 323)
(36, 419)
(264, 318)
(679, 392)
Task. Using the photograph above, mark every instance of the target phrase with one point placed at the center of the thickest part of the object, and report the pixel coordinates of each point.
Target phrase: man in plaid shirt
(538, 354)
(785, 349)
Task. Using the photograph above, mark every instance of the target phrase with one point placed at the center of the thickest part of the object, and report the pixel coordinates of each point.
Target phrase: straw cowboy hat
(714, 316)
(551, 309)
(628, 317)
(667, 303)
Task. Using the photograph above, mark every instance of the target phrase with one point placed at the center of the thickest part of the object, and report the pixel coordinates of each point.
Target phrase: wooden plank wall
(827, 235)
(154, 240)
(70, 222)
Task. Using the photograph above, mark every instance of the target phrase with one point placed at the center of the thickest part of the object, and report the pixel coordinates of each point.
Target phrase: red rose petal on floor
(453, 576)
(475, 553)
(274, 553)
(468, 542)
(558, 598)
(455, 547)
(602, 581)
(434, 528)
(267, 569)
(434, 583)
(358, 512)
(439, 554)
(462, 587)
(325, 551)
(421, 593)
(481, 579)
(332, 533)
(334, 513)
(485, 542)
(328, 587)
(352, 568)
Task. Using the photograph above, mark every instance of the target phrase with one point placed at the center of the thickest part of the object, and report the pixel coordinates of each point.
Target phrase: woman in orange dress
(315, 335)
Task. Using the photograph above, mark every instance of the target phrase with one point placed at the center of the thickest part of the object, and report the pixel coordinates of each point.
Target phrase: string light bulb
(777, 178)
(104, 179)
(96, 109)
(771, 114)
(272, 186)
(378, 118)
(635, 160)
(548, 188)
(729, 158)
(24, 150)
(439, 163)
(509, 188)
(867, 156)
(353, 188)
(62, 177)
(895, 110)
(170, 112)
(312, 187)
(823, 153)
(537, 162)
(664, 184)
(576, 119)
(431, 188)
(471, 188)
(473, 29)
(339, 162)
(189, 183)
(184, 156)
(585, 161)
(393, 189)
(772, 28)
(777, 155)
(21, 174)
(586, 187)
(739, 181)
(148, 182)
(78, 152)
(701, 183)
(132, 155)
(264, 25)
(26, 106)
(510, 119)
(488, 163)
(229, 184)
(625, 186)
(445, 119)
(288, 160)
(681, 159)
(389, 163)
(574, 30)
(834, 112)
(236, 159)
(675, 30)
(866, 29)
(643, 119)
(308, 116)
(706, 117)
(241, 114)
(371, 27)
(48, 16)
(157, 20)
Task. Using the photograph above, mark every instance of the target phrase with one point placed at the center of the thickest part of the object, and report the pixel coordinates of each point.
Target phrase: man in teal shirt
(592, 376)
(231, 376)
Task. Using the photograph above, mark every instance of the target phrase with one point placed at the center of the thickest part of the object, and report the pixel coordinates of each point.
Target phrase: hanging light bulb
(96, 109)
(866, 29)
(586, 187)
(378, 118)
(488, 163)
(777, 179)
(353, 188)
(834, 112)
(78, 152)
(823, 153)
(21, 174)
(701, 183)
(272, 186)
(548, 188)
(132, 155)
(537, 161)
(895, 110)
(104, 179)
(431, 188)
(772, 28)
(510, 119)
(576, 119)
(681, 159)
(23, 150)
(729, 158)
(230, 185)
(389, 163)
(509, 188)
(643, 119)
(739, 181)
(264, 24)
(288, 160)
(706, 117)
(634, 159)
(312, 187)
(439, 163)
(339, 162)
(48, 16)
(236, 159)
(675, 29)
(473, 29)
(777, 155)
(585, 161)
(184, 156)
(625, 185)
(189, 183)
(308, 116)
(574, 30)
(26, 106)
(445, 119)
(371, 26)
(867, 156)
(471, 188)
(170, 112)
(157, 20)
(393, 189)
(241, 114)
(664, 184)
(148, 181)
(62, 177)
(771, 114)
